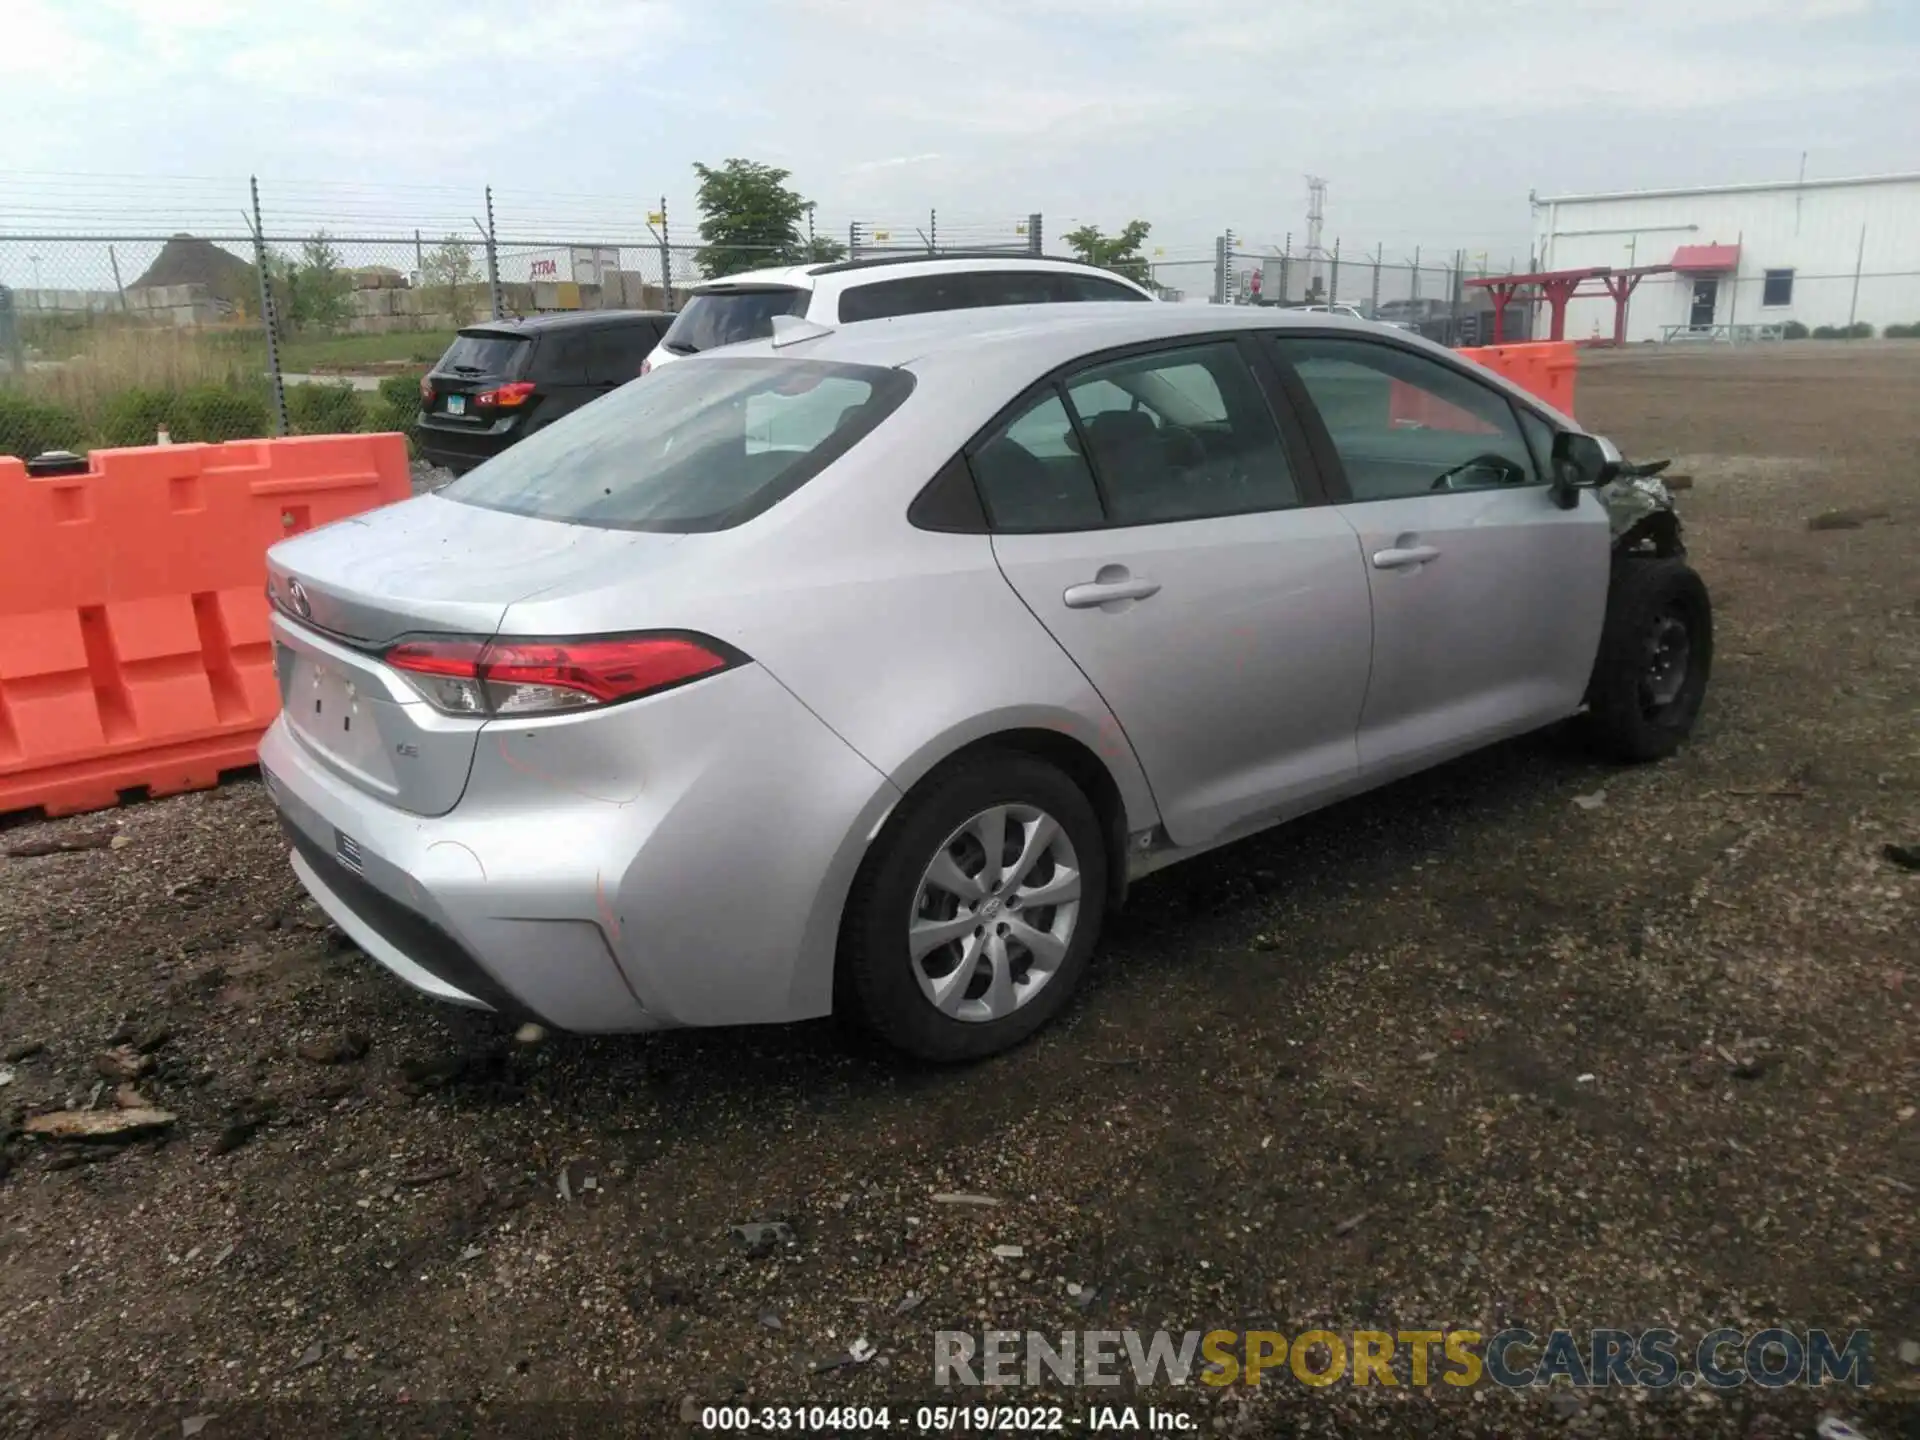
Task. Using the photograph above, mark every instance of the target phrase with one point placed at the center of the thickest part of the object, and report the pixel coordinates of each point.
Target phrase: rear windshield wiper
(680, 347)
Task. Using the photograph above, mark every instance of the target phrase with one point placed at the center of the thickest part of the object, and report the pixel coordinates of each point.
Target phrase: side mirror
(1580, 462)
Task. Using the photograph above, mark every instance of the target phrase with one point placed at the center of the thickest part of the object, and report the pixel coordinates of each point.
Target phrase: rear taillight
(505, 397)
(462, 676)
(645, 366)
(426, 391)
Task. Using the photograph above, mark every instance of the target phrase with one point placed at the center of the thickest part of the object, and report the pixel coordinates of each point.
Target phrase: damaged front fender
(1640, 510)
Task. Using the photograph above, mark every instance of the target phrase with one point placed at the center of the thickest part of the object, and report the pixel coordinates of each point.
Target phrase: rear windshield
(689, 447)
(480, 352)
(730, 316)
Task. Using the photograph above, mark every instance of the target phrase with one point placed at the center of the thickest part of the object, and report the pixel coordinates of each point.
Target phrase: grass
(311, 354)
(122, 359)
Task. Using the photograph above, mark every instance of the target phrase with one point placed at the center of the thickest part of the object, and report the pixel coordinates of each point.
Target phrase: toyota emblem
(297, 595)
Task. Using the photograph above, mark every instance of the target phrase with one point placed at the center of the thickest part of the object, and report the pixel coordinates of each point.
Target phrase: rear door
(615, 354)
(1487, 597)
(1191, 573)
(559, 371)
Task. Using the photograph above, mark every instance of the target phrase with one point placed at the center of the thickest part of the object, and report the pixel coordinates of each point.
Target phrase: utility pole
(1859, 259)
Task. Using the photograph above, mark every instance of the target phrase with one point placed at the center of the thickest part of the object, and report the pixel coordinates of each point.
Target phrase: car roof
(563, 320)
(1017, 344)
(806, 277)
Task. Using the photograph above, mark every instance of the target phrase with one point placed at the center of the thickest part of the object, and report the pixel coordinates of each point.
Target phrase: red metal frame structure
(1557, 287)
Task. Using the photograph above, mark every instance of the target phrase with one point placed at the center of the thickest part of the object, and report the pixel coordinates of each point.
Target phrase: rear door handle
(1404, 557)
(1102, 592)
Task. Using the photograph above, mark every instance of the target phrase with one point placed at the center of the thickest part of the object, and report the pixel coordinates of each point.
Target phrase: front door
(1706, 295)
(1219, 611)
(1487, 597)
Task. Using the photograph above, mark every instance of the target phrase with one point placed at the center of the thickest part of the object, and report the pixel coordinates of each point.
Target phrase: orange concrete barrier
(1546, 368)
(134, 649)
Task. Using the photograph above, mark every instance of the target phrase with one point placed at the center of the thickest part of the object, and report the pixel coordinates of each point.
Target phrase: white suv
(743, 307)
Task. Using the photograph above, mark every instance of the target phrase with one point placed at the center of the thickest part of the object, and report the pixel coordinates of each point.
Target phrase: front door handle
(1403, 557)
(1105, 592)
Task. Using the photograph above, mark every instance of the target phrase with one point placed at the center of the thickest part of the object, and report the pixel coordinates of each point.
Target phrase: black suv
(504, 379)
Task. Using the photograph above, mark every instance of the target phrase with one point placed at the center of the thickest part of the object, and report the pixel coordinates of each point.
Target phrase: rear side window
(972, 289)
(689, 447)
(1092, 287)
(915, 295)
(729, 317)
(614, 354)
(480, 353)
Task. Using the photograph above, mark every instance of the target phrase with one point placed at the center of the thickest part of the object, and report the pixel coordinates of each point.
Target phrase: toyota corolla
(863, 668)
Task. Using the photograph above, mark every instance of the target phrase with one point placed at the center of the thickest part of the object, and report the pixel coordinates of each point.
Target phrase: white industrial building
(1819, 252)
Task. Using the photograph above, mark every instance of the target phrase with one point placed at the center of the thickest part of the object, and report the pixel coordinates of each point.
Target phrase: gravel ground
(1459, 1053)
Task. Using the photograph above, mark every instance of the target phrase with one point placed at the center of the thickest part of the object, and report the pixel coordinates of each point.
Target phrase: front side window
(1182, 435)
(689, 447)
(1405, 425)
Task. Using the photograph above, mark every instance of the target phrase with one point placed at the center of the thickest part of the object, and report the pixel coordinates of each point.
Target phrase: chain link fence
(315, 321)
(1430, 298)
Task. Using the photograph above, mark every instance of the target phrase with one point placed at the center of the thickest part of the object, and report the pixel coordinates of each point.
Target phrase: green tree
(1119, 253)
(325, 285)
(749, 219)
(450, 273)
(309, 292)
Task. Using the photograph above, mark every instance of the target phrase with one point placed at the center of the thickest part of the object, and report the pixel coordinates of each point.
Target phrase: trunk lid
(479, 359)
(347, 591)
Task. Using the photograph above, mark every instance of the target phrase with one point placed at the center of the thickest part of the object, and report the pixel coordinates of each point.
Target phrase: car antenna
(792, 329)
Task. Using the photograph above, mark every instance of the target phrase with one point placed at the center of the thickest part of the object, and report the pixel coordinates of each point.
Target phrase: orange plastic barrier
(134, 649)
(1545, 368)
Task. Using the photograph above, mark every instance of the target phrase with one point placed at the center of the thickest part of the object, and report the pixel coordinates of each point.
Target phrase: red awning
(1696, 258)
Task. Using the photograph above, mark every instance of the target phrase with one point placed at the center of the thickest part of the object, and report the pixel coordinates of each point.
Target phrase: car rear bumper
(677, 860)
(461, 447)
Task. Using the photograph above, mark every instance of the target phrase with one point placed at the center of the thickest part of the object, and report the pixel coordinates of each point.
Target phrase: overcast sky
(1430, 119)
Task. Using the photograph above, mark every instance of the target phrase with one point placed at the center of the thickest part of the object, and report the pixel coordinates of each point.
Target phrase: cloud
(892, 162)
(1431, 118)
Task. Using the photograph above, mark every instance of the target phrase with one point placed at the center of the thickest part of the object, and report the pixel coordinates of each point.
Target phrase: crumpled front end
(1640, 509)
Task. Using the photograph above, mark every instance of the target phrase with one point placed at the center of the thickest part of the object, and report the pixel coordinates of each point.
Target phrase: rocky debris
(60, 844)
(762, 1238)
(125, 1097)
(1907, 857)
(337, 1048)
(1591, 802)
(22, 1050)
(428, 1177)
(245, 1121)
(1845, 519)
(530, 1034)
(123, 1062)
(97, 1124)
(153, 1038)
(580, 1180)
(960, 1198)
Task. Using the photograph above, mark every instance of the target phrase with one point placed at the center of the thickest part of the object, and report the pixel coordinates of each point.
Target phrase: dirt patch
(1457, 1053)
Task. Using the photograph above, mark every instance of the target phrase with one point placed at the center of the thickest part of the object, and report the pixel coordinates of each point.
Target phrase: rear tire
(985, 989)
(1656, 653)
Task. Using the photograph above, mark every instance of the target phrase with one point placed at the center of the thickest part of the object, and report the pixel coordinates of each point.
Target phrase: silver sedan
(863, 668)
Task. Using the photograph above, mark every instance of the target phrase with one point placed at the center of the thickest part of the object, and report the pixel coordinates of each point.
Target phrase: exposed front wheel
(976, 909)
(1656, 653)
